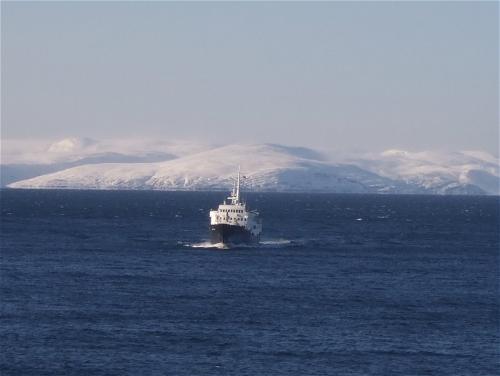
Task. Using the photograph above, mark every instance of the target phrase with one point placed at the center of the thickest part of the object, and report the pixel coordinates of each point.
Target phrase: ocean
(125, 283)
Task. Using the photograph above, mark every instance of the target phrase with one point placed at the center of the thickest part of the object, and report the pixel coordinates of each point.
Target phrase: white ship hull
(232, 223)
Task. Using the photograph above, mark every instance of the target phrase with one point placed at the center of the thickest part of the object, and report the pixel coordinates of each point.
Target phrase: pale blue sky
(367, 76)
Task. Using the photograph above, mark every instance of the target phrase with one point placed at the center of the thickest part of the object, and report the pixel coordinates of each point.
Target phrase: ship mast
(235, 194)
(238, 187)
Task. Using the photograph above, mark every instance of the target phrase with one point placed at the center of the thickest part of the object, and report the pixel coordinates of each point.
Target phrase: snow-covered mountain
(267, 168)
(270, 167)
(24, 159)
(437, 172)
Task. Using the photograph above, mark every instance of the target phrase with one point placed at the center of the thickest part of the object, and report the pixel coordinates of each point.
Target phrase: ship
(233, 223)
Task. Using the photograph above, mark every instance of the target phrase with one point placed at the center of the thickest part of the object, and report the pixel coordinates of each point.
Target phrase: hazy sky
(366, 76)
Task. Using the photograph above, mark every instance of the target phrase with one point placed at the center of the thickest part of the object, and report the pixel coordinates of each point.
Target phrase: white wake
(268, 243)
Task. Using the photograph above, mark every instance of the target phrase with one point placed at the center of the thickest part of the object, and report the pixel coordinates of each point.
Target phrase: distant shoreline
(225, 190)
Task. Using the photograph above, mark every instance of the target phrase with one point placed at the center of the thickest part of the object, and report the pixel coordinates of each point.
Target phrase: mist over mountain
(24, 159)
(160, 165)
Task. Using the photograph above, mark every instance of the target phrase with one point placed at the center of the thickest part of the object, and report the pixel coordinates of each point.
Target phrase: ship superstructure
(232, 222)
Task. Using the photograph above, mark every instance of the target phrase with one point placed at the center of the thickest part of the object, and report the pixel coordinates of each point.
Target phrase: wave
(206, 244)
(276, 242)
(268, 243)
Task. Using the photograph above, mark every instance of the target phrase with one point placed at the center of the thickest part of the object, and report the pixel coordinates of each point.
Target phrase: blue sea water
(123, 283)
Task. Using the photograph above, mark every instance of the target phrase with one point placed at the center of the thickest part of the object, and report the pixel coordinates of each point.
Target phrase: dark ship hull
(230, 234)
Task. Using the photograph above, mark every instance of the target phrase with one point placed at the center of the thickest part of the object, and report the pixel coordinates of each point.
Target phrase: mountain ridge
(281, 168)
